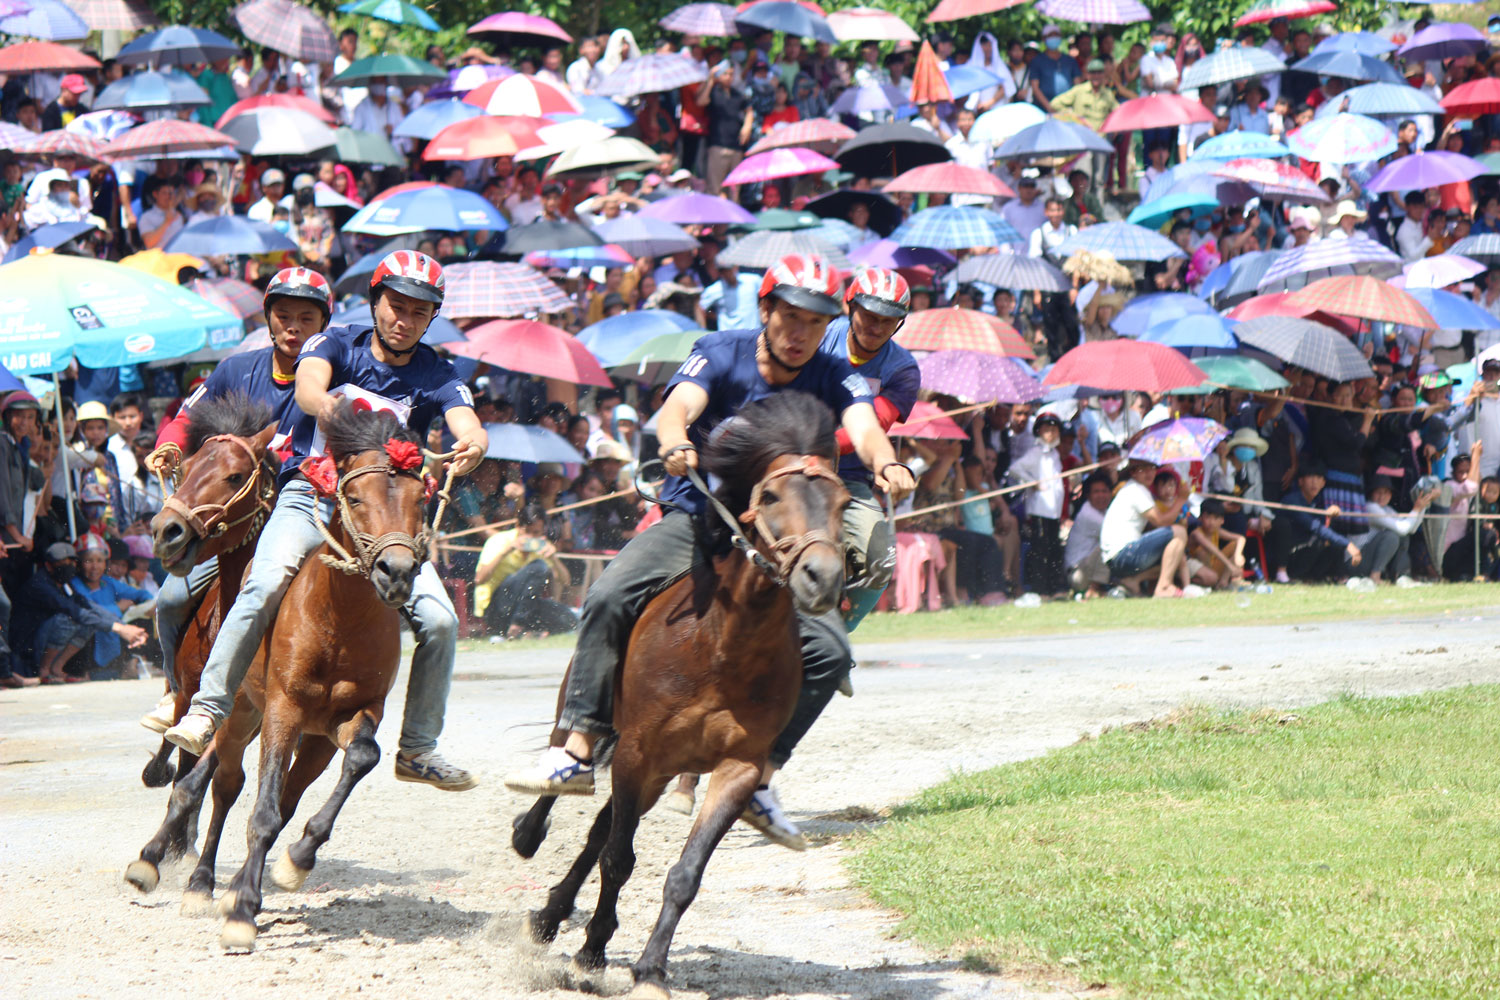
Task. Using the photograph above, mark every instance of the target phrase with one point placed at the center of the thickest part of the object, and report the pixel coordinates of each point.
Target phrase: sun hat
(1246, 437)
(95, 410)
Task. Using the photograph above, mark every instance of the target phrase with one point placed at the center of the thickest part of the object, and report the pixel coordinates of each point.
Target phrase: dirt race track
(418, 894)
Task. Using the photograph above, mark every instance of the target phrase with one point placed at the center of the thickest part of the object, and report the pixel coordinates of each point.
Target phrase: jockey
(725, 371)
(388, 367)
(297, 305)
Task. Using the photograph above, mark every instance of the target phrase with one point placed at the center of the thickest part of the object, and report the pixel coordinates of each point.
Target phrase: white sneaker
(160, 718)
(765, 814)
(193, 733)
(556, 773)
(431, 769)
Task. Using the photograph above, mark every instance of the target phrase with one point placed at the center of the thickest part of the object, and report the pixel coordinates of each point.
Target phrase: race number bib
(375, 401)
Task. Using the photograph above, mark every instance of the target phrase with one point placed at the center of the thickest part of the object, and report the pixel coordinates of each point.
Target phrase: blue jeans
(175, 606)
(61, 632)
(289, 537)
(1141, 554)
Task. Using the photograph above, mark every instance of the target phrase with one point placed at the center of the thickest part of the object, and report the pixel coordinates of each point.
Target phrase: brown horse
(712, 671)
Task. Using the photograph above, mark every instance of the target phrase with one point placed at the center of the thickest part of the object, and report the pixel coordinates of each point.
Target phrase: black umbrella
(543, 235)
(356, 280)
(885, 215)
(891, 149)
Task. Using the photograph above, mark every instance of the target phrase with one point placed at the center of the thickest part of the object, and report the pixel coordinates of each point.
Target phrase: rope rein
(367, 546)
(216, 523)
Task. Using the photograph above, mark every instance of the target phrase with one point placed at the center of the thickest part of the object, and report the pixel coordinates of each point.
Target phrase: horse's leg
(313, 754)
(681, 798)
(630, 802)
(185, 764)
(543, 923)
(158, 771)
(241, 902)
(187, 796)
(229, 781)
(360, 758)
(729, 791)
(530, 828)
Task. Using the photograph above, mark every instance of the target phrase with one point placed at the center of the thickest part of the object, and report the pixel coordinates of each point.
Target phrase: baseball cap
(1094, 66)
(626, 412)
(680, 174)
(1051, 29)
(74, 84)
(299, 182)
(58, 551)
(272, 176)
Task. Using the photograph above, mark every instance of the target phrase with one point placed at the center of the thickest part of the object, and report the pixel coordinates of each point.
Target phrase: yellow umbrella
(164, 265)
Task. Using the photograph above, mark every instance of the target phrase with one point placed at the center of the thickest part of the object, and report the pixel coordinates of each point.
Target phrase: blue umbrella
(615, 339)
(169, 88)
(1381, 99)
(434, 116)
(1053, 137)
(586, 257)
(1342, 138)
(838, 232)
(966, 79)
(790, 18)
(1123, 240)
(440, 208)
(955, 227)
(356, 312)
(1210, 331)
(1454, 312)
(598, 109)
(1227, 282)
(9, 383)
(1350, 66)
(226, 235)
(1237, 145)
(1146, 311)
(528, 443)
(49, 19)
(1157, 211)
(643, 236)
(1367, 42)
(178, 46)
(394, 11)
(51, 237)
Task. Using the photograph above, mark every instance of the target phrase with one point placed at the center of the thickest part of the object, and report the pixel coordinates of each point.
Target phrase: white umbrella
(565, 135)
(278, 132)
(870, 24)
(613, 154)
(999, 124)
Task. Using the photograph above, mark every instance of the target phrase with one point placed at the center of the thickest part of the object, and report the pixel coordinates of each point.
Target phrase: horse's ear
(748, 517)
(262, 440)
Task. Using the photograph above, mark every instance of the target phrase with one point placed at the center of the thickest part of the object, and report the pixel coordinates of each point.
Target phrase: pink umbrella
(159, 138)
(808, 132)
(870, 24)
(927, 420)
(525, 345)
(514, 22)
(1277, 180)
(523, 95)
(1156, 111)
(776, 163)
(949, 178)
(62, 140)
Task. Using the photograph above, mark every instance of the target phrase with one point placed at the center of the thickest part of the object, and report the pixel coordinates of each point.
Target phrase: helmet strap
(765, 337)
(383, 342)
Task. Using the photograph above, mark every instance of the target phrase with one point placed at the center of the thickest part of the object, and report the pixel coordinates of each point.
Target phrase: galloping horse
(713, 669)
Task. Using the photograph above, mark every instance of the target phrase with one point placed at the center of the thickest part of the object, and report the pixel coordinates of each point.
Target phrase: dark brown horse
(712, 671)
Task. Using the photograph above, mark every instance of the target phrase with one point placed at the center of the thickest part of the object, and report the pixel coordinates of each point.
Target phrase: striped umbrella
(1095, 11)
(1013, 270)
(1308, 345)
(1124, 366)
(61, 140)
(651, 74)
(492, 288)
(114, 15)
(1485, 246)
(46, 19)
(949, 178)
(955, 329)
(1124, 241)
(716, 19)
(1270, 10)
(760, 251)
(287, 27)
(1357, 255)
(1342, 138)
(955, 227)
(523, 95)
(1273, 180)
(13, 136)
(1362, 297)
(808, 132)
(159, 138)
(975, 377)
(1227, 66)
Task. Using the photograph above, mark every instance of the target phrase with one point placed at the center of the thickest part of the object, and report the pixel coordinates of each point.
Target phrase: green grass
(1350, 850)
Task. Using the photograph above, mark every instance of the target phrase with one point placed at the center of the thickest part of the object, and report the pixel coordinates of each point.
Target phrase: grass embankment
(1349, 850)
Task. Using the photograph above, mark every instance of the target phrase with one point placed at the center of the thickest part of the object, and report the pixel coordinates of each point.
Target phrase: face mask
(1236, 229)
(1203, 224)
(1244, 452)
(1111, 406)
(282, 226)
(1158, 47)
(738, 58)
(1053, 44)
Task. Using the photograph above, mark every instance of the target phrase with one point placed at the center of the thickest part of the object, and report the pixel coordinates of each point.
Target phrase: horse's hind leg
(187, 796)
(543, 923)
(729, 790)
(681, 798)
(630, 801)
(158, 770)
(360, 758)
(530, 828)
(229, 781)
(242, 901)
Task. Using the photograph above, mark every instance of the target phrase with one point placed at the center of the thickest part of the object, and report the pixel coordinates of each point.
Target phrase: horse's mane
(350, 431)
(235, 413)
(787, 423)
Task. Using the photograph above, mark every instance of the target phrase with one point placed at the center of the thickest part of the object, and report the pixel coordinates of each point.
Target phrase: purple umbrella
(1445, 40)
(774, 163)
(1185, 439)
(1441, 271)
(697, 210)
(884, 253)
(461, 81)
(1425, 170)
(975, 377)
(1356, 255)
(513, 22)
(702, 19)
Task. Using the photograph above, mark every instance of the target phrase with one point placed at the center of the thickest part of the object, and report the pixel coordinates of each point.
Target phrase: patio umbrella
(861, 24)
(616, 339)
(715, 19)
(1363, 297)
(658, 359)
(885, 253)
(760, 251)
(1156, 111)
(1270, 10)
(973, 377)
(653, 73)
(646, 237)
(1349, 66)
(228, 235)
(45, 19)
(1123, 240)
(1096, 11)
(1485, 246)
(1013, 270)
(808, 132)
(891, 148)
(1454, 312)
(178, 45)
(278, 131)
(528, 443)
(614, 154)
(1446, 40)
(150, 89)
(523, 95)
(1005, 120)
(159, 138)
(869, 97)
(953, 10)
(431, 118)
(1469, 100)
(1441, 271)
(287, 27)
(785, 16)
(290, 102)
(928, 421)
(776, 163)
(1308, 345)
(533, 348)
(956, 227)
(1157, 309)
(49, 237)
(394, 11)
(545, 234)
(885, 215)
(1342, 138)
(1356, 255)
(955, 329)
(1182, 439)
(1123, 366)
(1239, 372)
(483, 289)
(395, 70)
(437, 206)
(43, 57)
(1210, 331)
(695, 209)
(1382, 99)
(1237, 146)
(1227, 66)
(1420, 171)
(949, 178)
(527, 30)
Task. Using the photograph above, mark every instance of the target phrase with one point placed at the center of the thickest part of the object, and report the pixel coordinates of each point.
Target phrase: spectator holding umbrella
(730, 121)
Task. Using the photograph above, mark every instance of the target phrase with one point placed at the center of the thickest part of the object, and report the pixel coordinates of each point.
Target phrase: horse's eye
(236, 478)
(767, 496)
(352, 501)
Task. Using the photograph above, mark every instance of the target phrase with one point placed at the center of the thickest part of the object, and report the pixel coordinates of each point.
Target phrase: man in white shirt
(162, 220)
(1081, 556)
(1278, 46)
(969, 152)
(1051, 233)
(1411, 236)
(1137, 535)
(1026, 211)
(347, 98)
(272, 187)
(381, 111)
(583, 75)
(1158, 66)
(524, 204)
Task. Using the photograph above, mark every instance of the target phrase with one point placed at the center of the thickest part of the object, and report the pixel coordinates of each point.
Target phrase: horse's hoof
(227, 903)
(534, 930)
(678, 802)
(649, 991)
(287, 875)
(588, 966)
(197, 904)
(143, 875)
(238, 935)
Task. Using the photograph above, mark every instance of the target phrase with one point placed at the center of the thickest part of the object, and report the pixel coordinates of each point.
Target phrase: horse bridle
(215, 524)
(368, 547)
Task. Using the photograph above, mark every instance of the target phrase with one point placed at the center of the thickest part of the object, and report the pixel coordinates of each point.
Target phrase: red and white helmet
(883, 292)
(806, 281)
(300, 283)
(409, 272)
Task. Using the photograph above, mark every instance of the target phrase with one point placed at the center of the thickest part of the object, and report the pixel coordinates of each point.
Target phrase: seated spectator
(480, 499)
(1131, 550)
(111, 596)
(1216, 555)
(1081, 558)
(1306, 547)
(1234, 470)
(516, 572)
(1476, 556)
(53, 621)
(600, 527)
(1385, 543)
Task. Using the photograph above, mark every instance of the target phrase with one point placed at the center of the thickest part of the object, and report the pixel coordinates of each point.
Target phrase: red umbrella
(524, 345)
(1270, 10)
(168, 135)
(291, 101)
(1363, 297)
(1156, 111)
(486, 137)
(60, 140)
(1275, 304)
(43, 57)
(927, 420)
(1472, 99)
(949, 178)
(928, 84)
(955, 329)
(953, 10)
(523, 95)
(808, 132)
(1124, 366)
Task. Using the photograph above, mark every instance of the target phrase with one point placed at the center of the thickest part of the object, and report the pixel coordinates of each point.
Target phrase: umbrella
(394, 11)
(1183, 439)
(1349, 66)
(1382, 99)
(1276, 304)
(774, 163)
(1124, 241)
(1307, 345)
(245, 301)
(1441, 271)
(949, 178)
(395, 70)
(226, 235)
(614, 341)
(556, 137)
(1420, 171)
(889, 149)
(596, 109)
(1445, 40)
(1095, 11)
(533, 348)
(158, 138)
(1356, 41)
(928, 84)
(544, 234)
(955, 329)
(1228, 65)
(437, 206)
(45, 19)
(178, 46)
(160, 264)
(861, 24)
(953, 10)
(869, 97)
(1238, 277)
(431, 118)
(1157, 309)
(1124, 365)
(646, 237)
(1053, 137)
(785, 218)
(1239, 372)
(1270, 10)
(278, 131)
(12, 136)
(1013, 270)
(1485, 246)
(1239, 145)
(838, 232)
(483, 289)
(515, 26)
(965, 79)
(484, 137)
(150, 89)
(289, 102)
(528, 443)
(973, 377)
(808, 132)
(466, 78)
(651, 74)
(49, 237)
(62, 140)
(59, 307)
(1342, 138)
(287, 27)
(604, 255)
(614, 154)
(761, 251)
(1363, 297)
(43, 57)
(114, 15)
(1156, 111)
(956, 227)
(9, 7)
(1358, 254)
(885, 253)
(885, 215)
(1186, 332)
(695, 209)
(1005, 120)
(1469, 100)
(658, 358)
(102, 125)
(1454, 312)
(927, 420)
(716, 19)
(1154, 212)
(785, 16)
(523, 95)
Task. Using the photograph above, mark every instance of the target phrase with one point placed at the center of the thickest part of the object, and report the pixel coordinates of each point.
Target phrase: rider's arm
(885, 412)
(874, 449)
(314, 376)
(683, 405)
(470, 434)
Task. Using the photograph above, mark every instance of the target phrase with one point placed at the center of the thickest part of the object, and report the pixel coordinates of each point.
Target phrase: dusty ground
(418, 894)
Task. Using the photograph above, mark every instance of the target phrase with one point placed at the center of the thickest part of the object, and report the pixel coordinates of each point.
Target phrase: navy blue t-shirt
(417, 392)
(250, 374)
(723, 365)
(891, 373)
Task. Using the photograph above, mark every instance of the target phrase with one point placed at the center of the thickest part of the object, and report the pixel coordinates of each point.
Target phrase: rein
(215, 524)
(368, 547)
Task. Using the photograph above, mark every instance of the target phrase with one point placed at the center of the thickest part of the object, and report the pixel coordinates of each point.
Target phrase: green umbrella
(394, 11)
(785, 218)
(656, 359)
(366, 147)
(1238, 373)
(1491, 162)
(396, 70)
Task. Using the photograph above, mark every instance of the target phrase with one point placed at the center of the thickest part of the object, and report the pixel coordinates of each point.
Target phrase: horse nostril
(172, 532)
(383, 567)
(813, 576)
